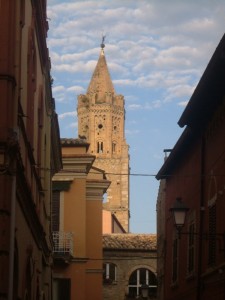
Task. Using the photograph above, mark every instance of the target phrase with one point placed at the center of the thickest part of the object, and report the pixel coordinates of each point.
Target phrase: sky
(156, 52)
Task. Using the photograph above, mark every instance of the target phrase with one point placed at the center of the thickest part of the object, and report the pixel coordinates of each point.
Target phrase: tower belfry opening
(101, 120)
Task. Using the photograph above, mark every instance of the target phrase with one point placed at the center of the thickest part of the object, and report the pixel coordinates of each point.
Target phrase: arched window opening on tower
(141, 277)
(99, 147)
(113, 147)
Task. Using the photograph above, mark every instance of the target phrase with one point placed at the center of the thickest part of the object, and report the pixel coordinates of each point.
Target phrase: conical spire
(101, 83)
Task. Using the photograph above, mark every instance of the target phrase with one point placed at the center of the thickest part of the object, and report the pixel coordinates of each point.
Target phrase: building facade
(161, 239)
(101, 117)
(194, 262)
(129, 263)
(77, 224)
(29, 151)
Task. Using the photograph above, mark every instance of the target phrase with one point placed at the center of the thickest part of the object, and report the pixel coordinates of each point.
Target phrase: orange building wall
(107, 221)
(75, 201)
(94, 249)
(82, 215)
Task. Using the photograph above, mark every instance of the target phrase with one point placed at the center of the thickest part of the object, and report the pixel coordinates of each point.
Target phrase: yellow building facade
(77, 224)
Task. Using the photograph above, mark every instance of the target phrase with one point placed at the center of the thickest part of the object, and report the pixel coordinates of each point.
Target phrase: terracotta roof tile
(73, 142)
(129, 241)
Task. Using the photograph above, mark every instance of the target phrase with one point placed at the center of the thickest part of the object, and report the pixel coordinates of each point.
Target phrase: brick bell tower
(101, 118)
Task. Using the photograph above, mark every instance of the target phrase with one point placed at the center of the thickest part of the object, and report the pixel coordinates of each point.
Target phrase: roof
(129, 241)
(70, 142)
(181, 147)
(101, 82)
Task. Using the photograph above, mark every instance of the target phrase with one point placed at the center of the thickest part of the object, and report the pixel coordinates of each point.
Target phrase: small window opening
(113, 147)
(109, 273)
(99, 147)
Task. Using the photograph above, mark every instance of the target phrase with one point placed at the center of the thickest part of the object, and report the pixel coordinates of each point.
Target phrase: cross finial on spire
(103, 40)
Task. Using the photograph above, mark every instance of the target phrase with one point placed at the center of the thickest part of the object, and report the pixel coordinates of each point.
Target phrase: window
(99, 147)
(191, 248)
(40, 126)
(61, 289)
(29, 276)
(140, 277)
(175, 261)
(31, 82)
(55, 210)
(212, 235)
(113, 147)
(109, 273)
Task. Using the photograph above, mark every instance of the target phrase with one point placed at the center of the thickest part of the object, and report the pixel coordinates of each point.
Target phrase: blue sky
(156, 51)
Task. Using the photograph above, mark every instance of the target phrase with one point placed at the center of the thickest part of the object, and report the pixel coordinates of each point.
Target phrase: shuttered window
(55, 210)
(212, 235)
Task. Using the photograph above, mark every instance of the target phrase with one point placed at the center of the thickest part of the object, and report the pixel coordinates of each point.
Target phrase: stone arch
(139, 266)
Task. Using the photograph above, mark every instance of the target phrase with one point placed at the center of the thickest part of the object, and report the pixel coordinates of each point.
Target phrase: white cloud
(76, 89)
(179, 92)
(57, 89)
(183, 103)
(73, 125)
(67, 114)
(132, 132)
(134, 106)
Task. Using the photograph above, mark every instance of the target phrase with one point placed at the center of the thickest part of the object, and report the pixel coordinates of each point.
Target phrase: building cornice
(96, 188)
(74, 166)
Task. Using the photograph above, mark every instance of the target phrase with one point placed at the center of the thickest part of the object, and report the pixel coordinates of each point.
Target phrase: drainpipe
(12, 236)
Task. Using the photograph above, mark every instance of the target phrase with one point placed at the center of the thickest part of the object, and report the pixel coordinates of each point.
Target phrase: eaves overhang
(182, 146)
(71, 142)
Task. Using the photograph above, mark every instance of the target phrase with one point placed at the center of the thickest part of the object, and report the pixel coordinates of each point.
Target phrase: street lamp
(179, 211)
(144, 291)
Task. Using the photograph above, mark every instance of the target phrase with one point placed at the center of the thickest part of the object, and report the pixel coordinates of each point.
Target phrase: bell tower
(101, 118)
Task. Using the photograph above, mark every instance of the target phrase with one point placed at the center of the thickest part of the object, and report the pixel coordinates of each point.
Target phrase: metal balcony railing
(63, 243)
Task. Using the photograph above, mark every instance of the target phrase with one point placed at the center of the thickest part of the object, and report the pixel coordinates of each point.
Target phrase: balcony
(62, 246)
